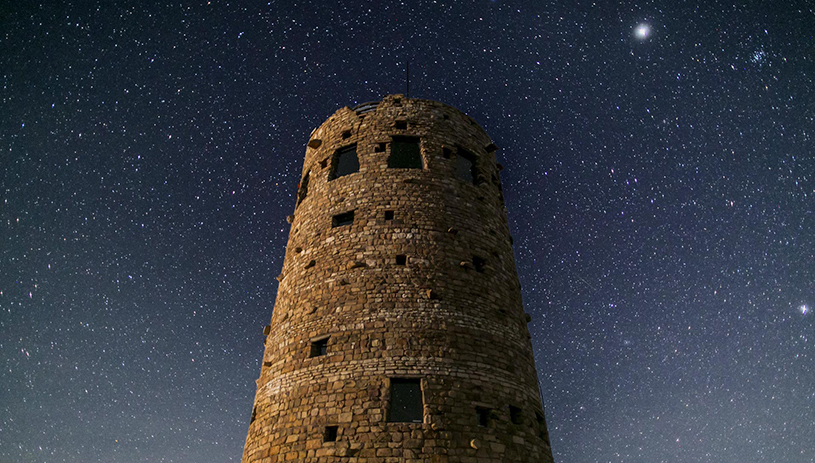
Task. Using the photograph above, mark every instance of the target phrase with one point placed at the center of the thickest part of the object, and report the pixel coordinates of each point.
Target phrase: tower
(398, 333)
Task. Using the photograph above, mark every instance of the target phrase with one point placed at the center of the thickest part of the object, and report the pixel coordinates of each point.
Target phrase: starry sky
(659, 178)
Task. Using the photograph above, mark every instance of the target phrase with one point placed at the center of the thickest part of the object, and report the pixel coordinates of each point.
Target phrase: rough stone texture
(455, 321)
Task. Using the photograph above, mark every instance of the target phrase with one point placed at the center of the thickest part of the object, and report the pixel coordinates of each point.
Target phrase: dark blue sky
(661, 192)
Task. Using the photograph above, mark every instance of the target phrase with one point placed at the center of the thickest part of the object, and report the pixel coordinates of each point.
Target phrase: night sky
(659, 178)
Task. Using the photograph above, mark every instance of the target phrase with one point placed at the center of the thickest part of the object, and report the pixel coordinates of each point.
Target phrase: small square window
(346, 218)
(346, 135)
(388, 215)
(406, 404)
(380, 147)
(401, 259)
(479, 263)
(319, 347)
(482, 414)
(401, 125)
(330, 434)
(515, 415)
(446, 152)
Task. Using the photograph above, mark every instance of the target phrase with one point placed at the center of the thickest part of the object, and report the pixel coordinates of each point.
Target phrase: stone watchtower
(398, 334)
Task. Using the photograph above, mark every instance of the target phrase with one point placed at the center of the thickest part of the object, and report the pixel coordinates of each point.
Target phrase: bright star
(642, 31)
(803, 309)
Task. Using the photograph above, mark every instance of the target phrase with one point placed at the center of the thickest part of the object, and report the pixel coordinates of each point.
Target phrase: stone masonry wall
(439, 314)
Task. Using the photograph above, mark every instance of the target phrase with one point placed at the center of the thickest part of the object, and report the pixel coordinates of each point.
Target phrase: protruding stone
(280, 277)
(466, 265)
(452, 231)
(310, 264)
(290, 218)
(528, 317)
(267, 329)
(314, 143)
(475, 443)
(433, 295)
(491, 148)
(355, 264)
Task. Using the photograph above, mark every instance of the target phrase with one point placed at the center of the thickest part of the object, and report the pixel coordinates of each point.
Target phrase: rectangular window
(515, 415)
(303, 190)
(319, 347)
(479, 263)
(483, 416)
(465, 165)
(388, 215)
(346, 218)
(406, 404)
(344, 162)
(330, 434)
(401, 260)
(406, 153)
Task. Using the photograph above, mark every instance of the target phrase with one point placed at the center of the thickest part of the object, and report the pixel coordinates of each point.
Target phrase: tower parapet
(398, 333)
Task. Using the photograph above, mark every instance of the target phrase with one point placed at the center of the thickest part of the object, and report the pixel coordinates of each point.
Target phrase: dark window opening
(319, 347)
(401, 125)
(345, 162)
(346, 218)
(401, 259)
(479, 263)
(303, 190)
(346, 135)
(380, 147)
(397, 102)
(254, 415)
(406, 404)
(405, 153)
(330, 434)
(446, 152)
(483, 416)
(465, 166)
(446, 117)
(515, 415)
(324, 163)
(388, 215)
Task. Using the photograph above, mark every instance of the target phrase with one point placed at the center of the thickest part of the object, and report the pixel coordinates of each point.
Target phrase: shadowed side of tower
(398, 333)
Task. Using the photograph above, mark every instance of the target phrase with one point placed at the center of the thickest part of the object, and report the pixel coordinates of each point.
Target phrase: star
(642, 31)
(803, 309)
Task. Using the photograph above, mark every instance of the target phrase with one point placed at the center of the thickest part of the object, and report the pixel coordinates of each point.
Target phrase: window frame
(335, 161)
(417, 381)
(406, 139)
